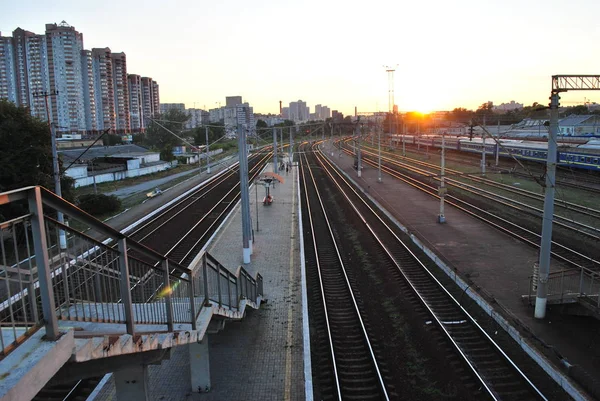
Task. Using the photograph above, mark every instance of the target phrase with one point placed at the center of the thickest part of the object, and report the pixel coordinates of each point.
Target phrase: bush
(99, 204)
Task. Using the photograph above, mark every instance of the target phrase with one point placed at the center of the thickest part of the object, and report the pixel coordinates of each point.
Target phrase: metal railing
(571, 286)
(51, 271)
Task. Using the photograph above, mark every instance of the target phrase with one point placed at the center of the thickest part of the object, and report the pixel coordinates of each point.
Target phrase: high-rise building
(318, 112)
(121, 92)
(164, 107)
(147, 100)
(8, 75)
(88, 90)
(155, 97)
(195, 119)
(64, 45)
(31, 71)
(135, 102)
(103, 89)
(322, 112)
(89, 97)
(298, 111)
(232, 101)
(245, 117)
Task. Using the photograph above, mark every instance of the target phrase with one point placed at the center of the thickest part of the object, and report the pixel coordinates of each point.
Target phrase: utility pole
(358, 154)
(379, 151)
(560, 83)
(331, 144)
(55, 165)
(291, 146)
(281, 142)
(546, 243)
(246, 228)
(275, 165)
(483, 149)
(442, 189)
(403, 135)
(207, 152)
(498, 145)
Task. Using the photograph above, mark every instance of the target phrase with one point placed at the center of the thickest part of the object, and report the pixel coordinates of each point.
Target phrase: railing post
(219, 286)
(237, 293)
(562, 286)
(126, 287)
(205, 274)
(581, 277)
(168, 294)
(229, 289)
(192, 301)
(41, 257)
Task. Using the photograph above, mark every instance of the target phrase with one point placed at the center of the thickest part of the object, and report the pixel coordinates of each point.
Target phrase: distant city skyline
(458, 54)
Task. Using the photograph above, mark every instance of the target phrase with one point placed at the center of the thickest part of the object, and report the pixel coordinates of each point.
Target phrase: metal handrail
(70, 275)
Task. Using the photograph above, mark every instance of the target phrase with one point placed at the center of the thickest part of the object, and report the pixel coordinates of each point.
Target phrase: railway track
(179, 232)
(348, 367)
(561, 252)
(451, 175)
(182, 230)
(484, 368)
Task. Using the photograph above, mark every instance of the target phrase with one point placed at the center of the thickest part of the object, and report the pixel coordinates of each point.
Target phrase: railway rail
(561, 252)
(351, 369)
(488, 365)
(568, 207)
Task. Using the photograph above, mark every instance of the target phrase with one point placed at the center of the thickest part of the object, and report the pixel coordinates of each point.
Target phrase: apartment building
(103, 89)
(8, 77)
(121, 93)
(89, 93)
(64, 45)
(134, 83)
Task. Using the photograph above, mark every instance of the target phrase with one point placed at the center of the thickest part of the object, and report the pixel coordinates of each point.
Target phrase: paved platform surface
(261, 356)
(497, 264)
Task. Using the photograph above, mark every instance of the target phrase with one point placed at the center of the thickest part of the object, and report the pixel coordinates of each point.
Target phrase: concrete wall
(121, 175)
(77, 171)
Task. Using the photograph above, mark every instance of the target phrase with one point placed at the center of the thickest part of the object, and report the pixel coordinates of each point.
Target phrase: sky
(447, 54)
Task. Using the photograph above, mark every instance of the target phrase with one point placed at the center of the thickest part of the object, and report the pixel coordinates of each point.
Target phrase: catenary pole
(379, 152)
(546, 243)
(441, 216)
(207, 151)
(275, 165)
(243, 158)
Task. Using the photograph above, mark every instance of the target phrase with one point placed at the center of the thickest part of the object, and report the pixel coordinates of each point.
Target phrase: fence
(571, 285)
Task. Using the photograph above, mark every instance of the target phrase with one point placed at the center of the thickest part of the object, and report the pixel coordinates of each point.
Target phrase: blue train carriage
(585, 156)
(535, 151)
(476, 145)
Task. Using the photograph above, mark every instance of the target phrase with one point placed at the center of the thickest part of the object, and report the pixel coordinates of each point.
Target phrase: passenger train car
(585, 156)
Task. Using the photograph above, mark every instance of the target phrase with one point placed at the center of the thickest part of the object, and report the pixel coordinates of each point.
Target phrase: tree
(261, 124)
(26, 152)
(215, 132)
(112, 140)
(578, 110)
(159, 138)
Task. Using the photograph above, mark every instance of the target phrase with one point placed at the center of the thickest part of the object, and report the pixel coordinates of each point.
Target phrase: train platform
(496, 266)
(263, 355)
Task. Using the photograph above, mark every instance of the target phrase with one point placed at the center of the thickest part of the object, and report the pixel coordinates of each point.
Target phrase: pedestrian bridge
(83, 299)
